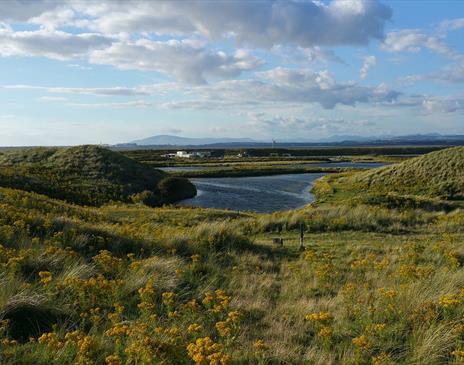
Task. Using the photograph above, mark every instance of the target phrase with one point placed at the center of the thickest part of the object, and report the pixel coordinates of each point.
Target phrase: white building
(193, 154)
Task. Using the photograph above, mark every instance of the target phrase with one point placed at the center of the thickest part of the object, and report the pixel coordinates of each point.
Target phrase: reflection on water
(257, 193)
(260, 193)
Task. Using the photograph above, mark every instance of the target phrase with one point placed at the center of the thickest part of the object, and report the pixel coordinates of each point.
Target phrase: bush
(146, 197)
(173, 189)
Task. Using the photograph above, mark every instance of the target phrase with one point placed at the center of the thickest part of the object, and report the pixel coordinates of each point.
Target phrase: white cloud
(256, 23)
(123, 105)
(49, 43)
(369, 62)
(451, 25)
(52, 98)
(99, 91)
(283, 86)
(121, 33)
(79, 67)
(23, 10)
(306, 127)
(288, 86)
(186, 60)
(446, 104)
(414, 40)
(300, 55)
(453, 74)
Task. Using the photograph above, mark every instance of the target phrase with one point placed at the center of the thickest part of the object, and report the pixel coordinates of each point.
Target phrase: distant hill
(87, 175)
(166, 140)
(436, 174)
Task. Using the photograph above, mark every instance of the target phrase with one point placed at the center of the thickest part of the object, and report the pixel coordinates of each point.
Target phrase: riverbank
(248, 172)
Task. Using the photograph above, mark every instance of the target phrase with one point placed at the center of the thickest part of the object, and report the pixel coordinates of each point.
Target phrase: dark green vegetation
(87, 175)
(155, 156)
(379, 281)
(173, 189)
(254, 171)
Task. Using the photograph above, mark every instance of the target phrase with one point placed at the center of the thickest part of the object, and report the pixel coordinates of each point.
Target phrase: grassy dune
(437, 174)
(87, 175)
(128, 284)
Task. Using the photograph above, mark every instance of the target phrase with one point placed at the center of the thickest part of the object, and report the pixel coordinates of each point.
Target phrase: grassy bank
(378, 281)
(253, 171)
(128, 284)
(89, 175)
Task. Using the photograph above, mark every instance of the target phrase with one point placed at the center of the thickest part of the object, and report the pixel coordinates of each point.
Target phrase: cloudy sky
(112, 71)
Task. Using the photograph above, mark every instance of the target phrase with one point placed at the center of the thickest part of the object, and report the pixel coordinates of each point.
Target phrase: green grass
(379, 282)
(251, 170)
(87, 175)
(437, 174)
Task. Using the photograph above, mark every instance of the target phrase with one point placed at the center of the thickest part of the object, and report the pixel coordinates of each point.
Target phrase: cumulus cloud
(49, 43)
(23, 10)
(256, 23)
(287, 86)
(300, 55)
(277, 86)
(446, 104)
(414, 40)
(122, 33)
(369, 62)
(187, 60)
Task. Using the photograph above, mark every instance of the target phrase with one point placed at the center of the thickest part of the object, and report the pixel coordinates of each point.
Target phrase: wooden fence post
(302, 236)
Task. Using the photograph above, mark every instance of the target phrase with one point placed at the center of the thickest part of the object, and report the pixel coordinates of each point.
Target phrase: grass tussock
(379, 281)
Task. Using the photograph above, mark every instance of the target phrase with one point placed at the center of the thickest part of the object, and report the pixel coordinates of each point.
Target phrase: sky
(75, 72)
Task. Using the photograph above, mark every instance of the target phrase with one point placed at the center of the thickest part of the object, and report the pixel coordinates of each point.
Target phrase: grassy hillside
(129, 284)
(88, 175)
(434, 181)
(439, 174)
(134, 285)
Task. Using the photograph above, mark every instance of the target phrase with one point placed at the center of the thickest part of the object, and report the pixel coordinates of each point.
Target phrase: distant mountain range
(167, 141)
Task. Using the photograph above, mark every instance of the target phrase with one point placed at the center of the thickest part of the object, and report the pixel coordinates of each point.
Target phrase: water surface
(258, 193)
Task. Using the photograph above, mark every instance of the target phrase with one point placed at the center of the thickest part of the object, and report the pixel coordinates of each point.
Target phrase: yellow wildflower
(259, 345)
(362, 342)
(45, 277)
(449, 300)
(319, 317)
(194, 327)
(325, 332)
(113, 360)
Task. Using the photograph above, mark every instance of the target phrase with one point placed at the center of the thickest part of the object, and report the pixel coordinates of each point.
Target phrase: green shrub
(172, 189)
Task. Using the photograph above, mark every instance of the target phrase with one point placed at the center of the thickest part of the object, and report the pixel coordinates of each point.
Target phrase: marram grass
(127, 284)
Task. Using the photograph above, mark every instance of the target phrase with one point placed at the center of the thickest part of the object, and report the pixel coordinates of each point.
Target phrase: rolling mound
(87, 175)
(436, 174)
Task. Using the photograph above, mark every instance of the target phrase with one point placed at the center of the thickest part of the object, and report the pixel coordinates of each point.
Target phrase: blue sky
(77, 72)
